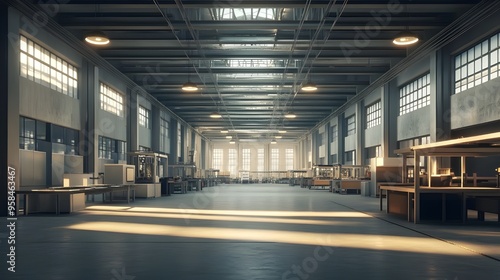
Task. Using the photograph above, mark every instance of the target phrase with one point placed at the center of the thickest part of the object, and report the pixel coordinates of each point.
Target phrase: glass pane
(41, 130)
(57, 134)
(29, 128)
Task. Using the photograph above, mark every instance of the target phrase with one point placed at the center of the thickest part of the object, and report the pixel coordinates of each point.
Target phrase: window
(415, 142)
(373, 115)
(289, 159)
(144, 117)
(245, 159)
(246, 13)
(111, 100)
(260, 160)
(478, 64)
(275, 159)
(164, 135)
(335, 133)
(415, 95)
(43, 67)
(217, 159)
(232, 162)
(350, 158)
(112, 149)
(374, 152)
(351, 125)
(179, 140)
(65, 140)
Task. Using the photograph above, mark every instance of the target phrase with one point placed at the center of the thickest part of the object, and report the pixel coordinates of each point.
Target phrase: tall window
(144, 117)
(43, 67)
(245, 159)
(217, 159)
(373, 115)
(478, 64)
(289, 159)
(415, 95)
(111, 100)
(351, 125)
(233, 162)
(275, 159)
(164, 135)
(335, 133)
(260, 160)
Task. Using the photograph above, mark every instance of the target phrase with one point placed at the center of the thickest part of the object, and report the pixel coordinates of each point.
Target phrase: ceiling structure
(250, 58)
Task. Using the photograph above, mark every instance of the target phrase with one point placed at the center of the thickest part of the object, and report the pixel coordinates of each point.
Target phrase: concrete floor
(250, 232)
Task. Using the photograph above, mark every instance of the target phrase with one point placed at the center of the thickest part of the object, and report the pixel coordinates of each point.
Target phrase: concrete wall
(477, 105)
(414, 124)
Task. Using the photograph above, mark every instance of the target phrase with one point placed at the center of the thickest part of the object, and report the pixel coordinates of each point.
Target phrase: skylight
(246, 13)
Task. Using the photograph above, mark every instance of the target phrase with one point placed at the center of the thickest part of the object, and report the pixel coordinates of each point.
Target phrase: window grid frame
(245, 159)
(217, 158)
(351, 125)
(415, 94)
(111, 100)
(289, 155)
(275, 157)
(374, 114)
(40, 65)
(144, 117)
(477, 65)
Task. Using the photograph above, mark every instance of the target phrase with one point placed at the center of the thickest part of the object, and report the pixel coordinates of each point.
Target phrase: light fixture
(278, 136)
(224, 131)
(290, 115)
(405, 38)
(229, 137)
(97, 38)
(232, 142)
(309, 86)
(273, 142)
(215, 115)
(281, 131)
(189, 86)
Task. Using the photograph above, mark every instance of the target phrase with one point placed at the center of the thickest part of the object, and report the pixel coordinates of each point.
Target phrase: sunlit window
(144, 117)
(275, 159)
(111, 100)
(217, 159)
(351, 125)
(373, 115)
(289, 159)
(478, 64)
(246, 13)
(260, 160)
(335, 133)
(44, 67)
(164, 125)
(415, 95)
(232, 162)
(245, 159)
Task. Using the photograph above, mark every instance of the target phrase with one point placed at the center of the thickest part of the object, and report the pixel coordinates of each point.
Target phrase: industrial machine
(149, 168)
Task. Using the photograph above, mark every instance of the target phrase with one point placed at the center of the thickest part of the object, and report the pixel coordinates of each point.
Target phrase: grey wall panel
(144, 136)
(414, 71)
(350, 143)
(57, 169)
(414, 124)
(374, 96)
(111, 125)
(373, 136)
(477, 105)
(73, 164)
(42, 103)
(33, 168)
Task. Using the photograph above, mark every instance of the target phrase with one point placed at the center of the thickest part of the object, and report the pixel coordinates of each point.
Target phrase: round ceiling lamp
(189, 86)
(281, 131)
(290, 115)
(97, 38)
(224, 131)
(309, 87)
(215, 115)
(405, 38)
(232, 142)
(274, 142)
(278, 136)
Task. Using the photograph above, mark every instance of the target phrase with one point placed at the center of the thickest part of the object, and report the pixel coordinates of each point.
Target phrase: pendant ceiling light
(290, 115)
(273, 142)
(97, 38)
(189, 86)
(405, 38)
(215, 115)
(309, 86)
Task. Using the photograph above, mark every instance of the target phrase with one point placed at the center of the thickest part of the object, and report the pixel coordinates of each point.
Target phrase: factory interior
(250, 139)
